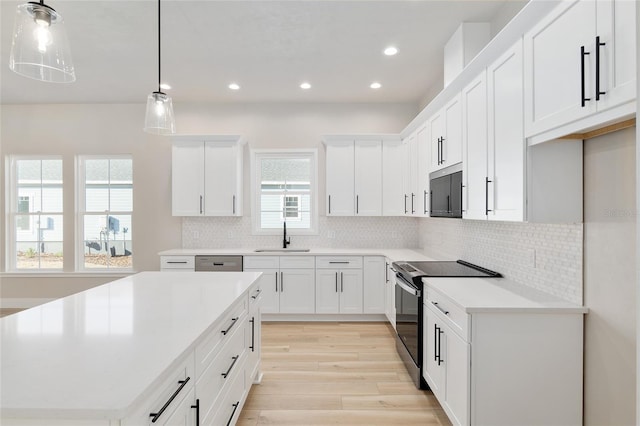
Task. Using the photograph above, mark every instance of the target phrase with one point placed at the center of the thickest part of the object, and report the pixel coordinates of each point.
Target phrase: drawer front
(297, 262)
(179, 381)
(449, 312)
(227, 410)
(177, 262)
(213, 385)
(261, 262)
(219, 263)
(217, 338)
(339, 262)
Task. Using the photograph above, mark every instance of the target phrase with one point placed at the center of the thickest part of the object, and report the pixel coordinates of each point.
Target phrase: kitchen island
(149, 348)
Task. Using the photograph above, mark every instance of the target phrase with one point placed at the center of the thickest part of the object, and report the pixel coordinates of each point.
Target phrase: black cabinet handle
(386, 272)
(255, 296)
(253, 333)
(440, 333)
(598, 44)
(233, 205)
(276, 282)
(439, 308)
(197, 407)
(486, 196)
(235, 359)
(201, 204)
(442, 150)
(218, 263)
(329, 204)
(341, 282)
(435, 342)
(281, 282)
(342, 262)
(235, 407)
(462, 197)
(357, 204)
(405, 203)
(448, 203)
(336, 282)
(583, 100)
(430, 199)
(412, 198)
(174, 261)
(425, 202)
(157, 415)
(233, 322)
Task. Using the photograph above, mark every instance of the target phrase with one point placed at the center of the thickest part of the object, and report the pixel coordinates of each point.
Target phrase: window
(105, 209)
(35, 213)
(284, 190)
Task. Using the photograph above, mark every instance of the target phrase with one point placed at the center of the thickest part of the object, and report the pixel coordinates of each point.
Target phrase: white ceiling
(268, 47)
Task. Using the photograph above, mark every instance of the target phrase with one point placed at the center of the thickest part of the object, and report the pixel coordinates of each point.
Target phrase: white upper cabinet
(368, 177)
(207, 175)
(506, 155)
(474, 170)
(422, 164)
(446, 135)
(393, 162)
(409, 178)
(579, 60)
(494, 145)
(354, 177)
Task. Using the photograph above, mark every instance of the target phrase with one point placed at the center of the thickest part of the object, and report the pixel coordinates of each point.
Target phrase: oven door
(408, 316)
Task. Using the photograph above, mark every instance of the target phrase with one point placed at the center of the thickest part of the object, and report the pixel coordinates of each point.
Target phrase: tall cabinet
(206, 175)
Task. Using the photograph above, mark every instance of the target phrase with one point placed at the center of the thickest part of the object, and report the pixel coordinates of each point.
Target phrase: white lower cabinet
(373, 284)
(339, 285)
(287, 282)
(503, 367)
(185, 413)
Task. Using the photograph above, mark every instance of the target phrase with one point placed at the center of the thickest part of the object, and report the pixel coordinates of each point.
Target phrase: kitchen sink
(283, 250)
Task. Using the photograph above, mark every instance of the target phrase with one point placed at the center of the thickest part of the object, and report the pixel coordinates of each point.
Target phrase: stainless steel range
(409, 305)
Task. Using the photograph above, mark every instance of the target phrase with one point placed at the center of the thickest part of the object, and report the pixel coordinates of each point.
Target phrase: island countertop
(93, 353)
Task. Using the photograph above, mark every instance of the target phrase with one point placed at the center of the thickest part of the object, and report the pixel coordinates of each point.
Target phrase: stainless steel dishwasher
(219, 263)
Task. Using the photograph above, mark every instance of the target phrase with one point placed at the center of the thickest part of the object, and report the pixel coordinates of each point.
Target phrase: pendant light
(159, 116)
(40, 49)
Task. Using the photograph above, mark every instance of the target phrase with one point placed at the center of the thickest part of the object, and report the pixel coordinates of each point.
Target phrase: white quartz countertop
(477, 295)
(393, 254)
(93, 353)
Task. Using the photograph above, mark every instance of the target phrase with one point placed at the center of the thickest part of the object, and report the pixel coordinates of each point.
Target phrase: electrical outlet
(230, 235)
(195, 235)
(331, 234)
(532, 257)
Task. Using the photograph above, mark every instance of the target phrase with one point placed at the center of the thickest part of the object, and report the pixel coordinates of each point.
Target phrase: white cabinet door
(184, 414)
(422, 165)
(340, 178)
(553, 75)
(434, 369)
(222, 175)
(270, 286)
(297, 291)
(327, 291)
(373, 281)
(411, 175)
(474, 170)
(393, 163)
(187, 178)
(616, 26)
(368, 178)
(351, 291)
(452, 144)
(506, 156)
(436, 131)
(456, 355)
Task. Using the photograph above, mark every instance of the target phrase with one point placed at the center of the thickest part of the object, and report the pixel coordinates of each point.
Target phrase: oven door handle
(403, 284)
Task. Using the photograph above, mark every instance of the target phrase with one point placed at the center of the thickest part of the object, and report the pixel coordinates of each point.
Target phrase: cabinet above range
(206, 175)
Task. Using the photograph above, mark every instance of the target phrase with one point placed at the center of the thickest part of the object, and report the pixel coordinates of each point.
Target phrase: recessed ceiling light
(305, 85)
(165, 86)
(375, 85)
(390, 51)
(234, 86)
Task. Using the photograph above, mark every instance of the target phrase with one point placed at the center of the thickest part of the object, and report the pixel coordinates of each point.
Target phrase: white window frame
(256, 155)
(80, 212)
(11, 210)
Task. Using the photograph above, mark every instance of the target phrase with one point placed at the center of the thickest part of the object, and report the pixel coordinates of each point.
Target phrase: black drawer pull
(197, 407)
(341, 262)
(184, 262)
(255, 296)
(157, 415)
(235, 358)
(253, 334)
(439, 308)
(233, 413)
(218, 264)
(233, 322)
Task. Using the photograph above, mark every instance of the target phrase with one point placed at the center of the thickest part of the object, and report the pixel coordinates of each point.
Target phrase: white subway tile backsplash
(547, 257)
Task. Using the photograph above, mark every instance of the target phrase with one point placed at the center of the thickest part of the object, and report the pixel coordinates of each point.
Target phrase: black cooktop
(459, 268)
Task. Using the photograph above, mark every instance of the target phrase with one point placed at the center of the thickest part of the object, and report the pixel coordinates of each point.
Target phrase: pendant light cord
(159, 63)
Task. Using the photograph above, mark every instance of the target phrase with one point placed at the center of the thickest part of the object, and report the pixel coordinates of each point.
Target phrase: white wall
(69, 130)
(609, 279)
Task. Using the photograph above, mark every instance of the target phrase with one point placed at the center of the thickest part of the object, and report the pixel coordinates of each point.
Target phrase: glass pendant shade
(159, 117)
(40, 49)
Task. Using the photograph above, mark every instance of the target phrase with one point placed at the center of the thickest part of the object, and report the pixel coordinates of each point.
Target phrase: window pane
(23, 222)
(96, 171)
(97, 198)
(121, 198)
(107, 241)
(52, 171)
(286, 170)
(29, 171)
(304, 222)
(27, 255)
(121, 171)
(52, 199)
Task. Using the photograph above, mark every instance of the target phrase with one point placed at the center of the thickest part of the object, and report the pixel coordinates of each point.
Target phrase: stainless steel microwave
(446, 192)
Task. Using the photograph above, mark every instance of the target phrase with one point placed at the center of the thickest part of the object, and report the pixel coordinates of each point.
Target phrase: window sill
(62, 274)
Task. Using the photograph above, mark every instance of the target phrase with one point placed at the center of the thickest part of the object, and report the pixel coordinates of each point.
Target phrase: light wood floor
(335, 374)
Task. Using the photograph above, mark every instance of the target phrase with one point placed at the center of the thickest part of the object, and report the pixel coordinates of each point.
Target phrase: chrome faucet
(285, 241)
